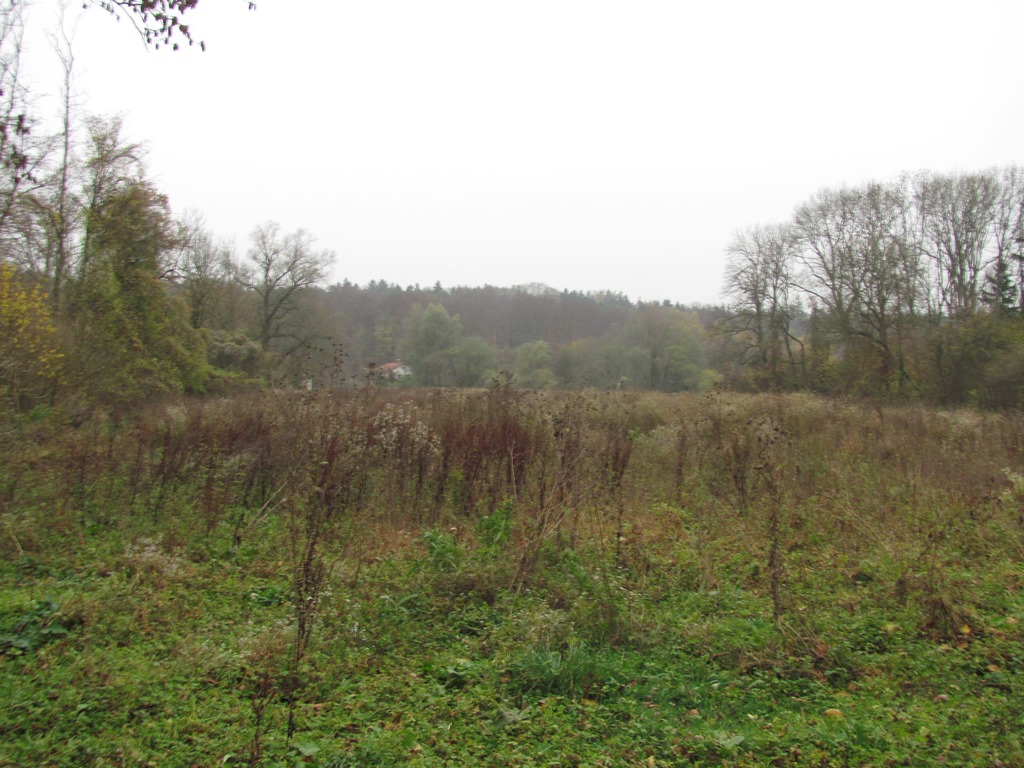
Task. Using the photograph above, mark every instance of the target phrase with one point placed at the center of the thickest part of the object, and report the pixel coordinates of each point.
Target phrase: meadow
(380, 577)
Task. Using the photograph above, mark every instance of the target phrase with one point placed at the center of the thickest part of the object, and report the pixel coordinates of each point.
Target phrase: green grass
(156, 664)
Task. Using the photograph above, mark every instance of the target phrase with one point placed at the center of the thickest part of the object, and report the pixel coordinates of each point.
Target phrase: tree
(58, 207)
(280, 267)
(824, 226)
(957, 213)
(586, 363)
(999, 291)
(533, 365)
(887, 277)
(158, 22)
(431, 336)
(131, 338)
(113, 164)
(22, 155)
(667, 341)
(1008, 235)
(473, 362)
(202, 268)
(859, 258)
(759, 282)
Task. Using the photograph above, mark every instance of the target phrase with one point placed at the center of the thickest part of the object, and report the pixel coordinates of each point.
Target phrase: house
(396, 371)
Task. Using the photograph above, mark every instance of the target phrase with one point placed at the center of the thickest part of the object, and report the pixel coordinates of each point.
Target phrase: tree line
(912, 288)
(537, 336)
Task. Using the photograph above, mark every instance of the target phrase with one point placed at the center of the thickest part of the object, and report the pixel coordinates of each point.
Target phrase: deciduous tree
(132, 338)
(759, 282)
(280, 266)
(957, 212)
(431, 336)
(533, 365)
(473, 362)
(202, 267)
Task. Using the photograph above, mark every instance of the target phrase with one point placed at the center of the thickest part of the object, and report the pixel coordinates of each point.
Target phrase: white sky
(580, 143)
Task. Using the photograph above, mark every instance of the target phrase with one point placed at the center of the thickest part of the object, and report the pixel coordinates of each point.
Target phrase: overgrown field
(385, 578)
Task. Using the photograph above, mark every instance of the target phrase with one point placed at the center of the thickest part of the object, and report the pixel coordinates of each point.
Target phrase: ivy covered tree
(132, 338)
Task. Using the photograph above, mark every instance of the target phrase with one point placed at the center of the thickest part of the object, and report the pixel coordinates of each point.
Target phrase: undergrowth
(499, 578)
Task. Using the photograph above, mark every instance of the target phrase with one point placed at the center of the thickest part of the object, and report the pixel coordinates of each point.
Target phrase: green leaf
(307, 748)
(729, 742)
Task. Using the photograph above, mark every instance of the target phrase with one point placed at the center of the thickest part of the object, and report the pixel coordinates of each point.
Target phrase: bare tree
(825, 228)
(886, 280)
(22, 155)
(57, 207)
(202, 266)
(280, 267)
(759, 282)
(860, 258)
(957, 212)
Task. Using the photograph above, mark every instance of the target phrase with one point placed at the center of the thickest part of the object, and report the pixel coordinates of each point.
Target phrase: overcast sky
(584, 144)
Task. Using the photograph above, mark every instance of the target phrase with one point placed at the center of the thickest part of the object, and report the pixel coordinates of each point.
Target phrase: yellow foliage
(30, 355)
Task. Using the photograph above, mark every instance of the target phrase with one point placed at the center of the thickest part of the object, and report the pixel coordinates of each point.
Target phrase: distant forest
(529, 336)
